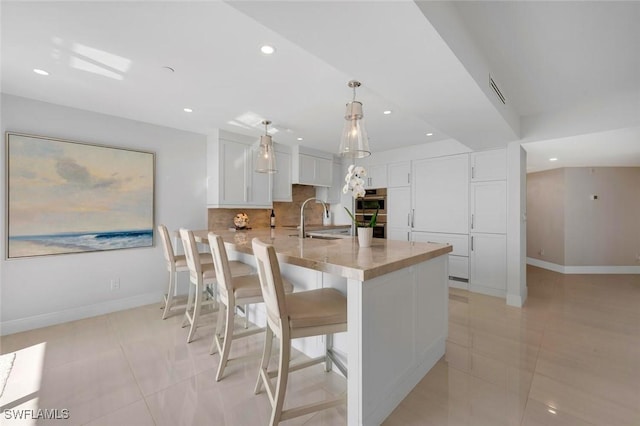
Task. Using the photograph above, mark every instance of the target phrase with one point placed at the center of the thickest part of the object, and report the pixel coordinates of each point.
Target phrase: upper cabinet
(376, 176)
(399, 174)
(231, 179)
(440, 194)
(312, 167)
(333, 193)
(282, 190)
(489, 165)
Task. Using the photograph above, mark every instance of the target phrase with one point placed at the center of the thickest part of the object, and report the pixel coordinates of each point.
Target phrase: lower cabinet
(488, 264)
(458, 258)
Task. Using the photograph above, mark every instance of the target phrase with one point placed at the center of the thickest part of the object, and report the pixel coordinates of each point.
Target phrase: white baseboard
(52, 318)
(489, 291)
(583, 269)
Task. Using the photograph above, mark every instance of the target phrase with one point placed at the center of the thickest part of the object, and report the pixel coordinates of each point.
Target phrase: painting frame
(67, 197)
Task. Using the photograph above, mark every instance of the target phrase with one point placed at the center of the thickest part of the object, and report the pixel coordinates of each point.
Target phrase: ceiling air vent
(494, 86)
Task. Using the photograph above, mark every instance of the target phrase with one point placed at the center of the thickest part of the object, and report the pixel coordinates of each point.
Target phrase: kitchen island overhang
(397, 301)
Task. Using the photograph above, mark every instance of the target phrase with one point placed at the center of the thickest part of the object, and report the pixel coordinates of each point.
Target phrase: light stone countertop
(342, 257)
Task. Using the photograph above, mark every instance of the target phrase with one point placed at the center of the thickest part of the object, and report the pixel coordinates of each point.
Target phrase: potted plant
(355, 183)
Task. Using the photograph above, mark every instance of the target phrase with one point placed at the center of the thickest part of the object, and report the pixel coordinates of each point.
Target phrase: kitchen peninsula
(397, 301)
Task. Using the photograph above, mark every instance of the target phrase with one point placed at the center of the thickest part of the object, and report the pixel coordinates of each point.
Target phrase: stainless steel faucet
(302, 233)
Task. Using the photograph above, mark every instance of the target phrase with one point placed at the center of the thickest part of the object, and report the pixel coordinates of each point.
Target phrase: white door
(488, 263)
(234, 173)
(324, 172)
(282, 179)
(489, 165)
(489, 207)
(377, 176)
(399, 174)
(399, 207)
(440, 193)
(307, 170)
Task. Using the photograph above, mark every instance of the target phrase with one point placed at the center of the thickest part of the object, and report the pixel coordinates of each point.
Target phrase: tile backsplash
(287, 214)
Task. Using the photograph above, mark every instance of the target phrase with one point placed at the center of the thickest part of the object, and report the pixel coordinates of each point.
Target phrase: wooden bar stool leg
(264, 364)
(169, 297)
(213, 349)
(190, 297)
(196, 315)
(226, 345)
(283, 377)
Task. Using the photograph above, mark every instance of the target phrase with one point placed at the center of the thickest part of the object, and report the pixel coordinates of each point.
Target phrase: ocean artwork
(72, 197)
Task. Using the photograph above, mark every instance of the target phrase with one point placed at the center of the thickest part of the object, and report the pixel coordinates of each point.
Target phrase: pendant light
(266, 158)
(354, 142)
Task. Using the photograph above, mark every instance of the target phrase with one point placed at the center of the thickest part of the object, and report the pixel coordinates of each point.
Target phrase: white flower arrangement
(354, 181)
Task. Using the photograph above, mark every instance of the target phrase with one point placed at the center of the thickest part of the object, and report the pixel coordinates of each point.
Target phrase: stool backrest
(167, 247)
(221, 264)
(190, 250)
(271, 284)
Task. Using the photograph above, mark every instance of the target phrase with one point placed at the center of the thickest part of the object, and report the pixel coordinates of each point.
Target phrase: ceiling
(427, 62)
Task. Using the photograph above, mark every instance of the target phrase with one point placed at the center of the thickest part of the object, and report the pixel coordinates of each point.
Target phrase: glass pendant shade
(354, 141)
(266, 157)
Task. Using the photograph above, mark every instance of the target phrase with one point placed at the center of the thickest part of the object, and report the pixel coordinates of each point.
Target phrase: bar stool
(291, 316)
(202, 277)
(232, 291)
(175, 263)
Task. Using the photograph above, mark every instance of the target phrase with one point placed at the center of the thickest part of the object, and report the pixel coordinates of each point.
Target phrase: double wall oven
(374, 199)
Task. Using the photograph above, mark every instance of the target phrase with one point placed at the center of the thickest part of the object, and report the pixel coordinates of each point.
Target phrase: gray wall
(40, 291)
(575, 230)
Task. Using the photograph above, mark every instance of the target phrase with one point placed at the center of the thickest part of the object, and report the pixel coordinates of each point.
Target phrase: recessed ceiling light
(299, 139)
(387, 112)
(553, 159)
(429, 134)
(188, 110)
(267, 50)
(39, 71)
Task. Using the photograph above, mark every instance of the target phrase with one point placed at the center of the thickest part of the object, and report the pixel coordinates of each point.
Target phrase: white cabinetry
(282, 190)
(440, 192)
(489, 207)
(333, 194)
(489, 264)
(458, 258)
(489, 165)
(488, 223)
(311, 167)
(399, 214)
(399, 174)
(231, 179)
(376, 176)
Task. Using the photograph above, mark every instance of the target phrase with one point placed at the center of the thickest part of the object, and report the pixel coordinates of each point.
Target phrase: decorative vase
(364, 236)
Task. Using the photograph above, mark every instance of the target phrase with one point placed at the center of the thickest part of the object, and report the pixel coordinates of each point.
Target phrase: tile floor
(571, 356)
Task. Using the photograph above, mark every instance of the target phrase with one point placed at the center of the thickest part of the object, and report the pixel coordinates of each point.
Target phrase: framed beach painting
(72, 197)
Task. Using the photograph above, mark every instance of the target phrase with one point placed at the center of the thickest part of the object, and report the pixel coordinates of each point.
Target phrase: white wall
(46, 290)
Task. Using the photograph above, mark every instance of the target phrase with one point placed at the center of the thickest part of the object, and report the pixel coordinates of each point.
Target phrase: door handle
(408, 219)
(408, 177)
(472, 221)
(413, 216)
(472, 243)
